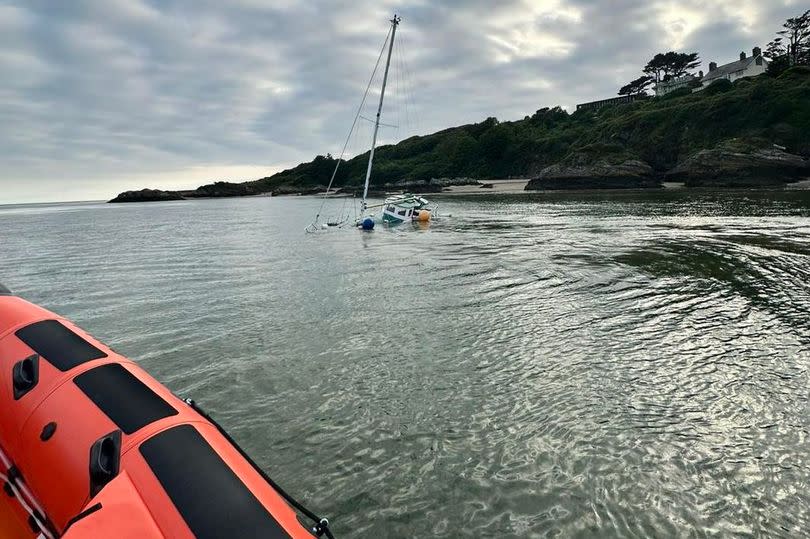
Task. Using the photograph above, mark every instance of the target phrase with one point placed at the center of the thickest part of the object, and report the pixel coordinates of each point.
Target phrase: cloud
(99, 96)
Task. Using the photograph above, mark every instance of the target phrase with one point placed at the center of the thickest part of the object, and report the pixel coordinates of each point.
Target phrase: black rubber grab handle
(105, 457)
(25, 375)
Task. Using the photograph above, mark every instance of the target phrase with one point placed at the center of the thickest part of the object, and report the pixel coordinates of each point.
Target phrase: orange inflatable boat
(91, 446)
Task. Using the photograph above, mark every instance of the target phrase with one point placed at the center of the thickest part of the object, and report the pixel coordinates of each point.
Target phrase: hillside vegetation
(659, 131)
(650, 136)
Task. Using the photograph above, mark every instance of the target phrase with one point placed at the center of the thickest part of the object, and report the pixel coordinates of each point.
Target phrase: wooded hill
(659, 131)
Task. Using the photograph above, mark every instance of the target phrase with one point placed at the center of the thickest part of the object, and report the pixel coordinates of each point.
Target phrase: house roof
(728, 69)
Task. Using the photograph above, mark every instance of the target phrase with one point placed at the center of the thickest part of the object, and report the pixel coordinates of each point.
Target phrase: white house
(750, 66)
(670, 85)
(744, 67)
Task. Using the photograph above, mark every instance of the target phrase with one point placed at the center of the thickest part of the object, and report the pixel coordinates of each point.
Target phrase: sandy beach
(510, 186)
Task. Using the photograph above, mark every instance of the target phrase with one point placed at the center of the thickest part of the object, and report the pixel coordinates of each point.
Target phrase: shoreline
(511, 186)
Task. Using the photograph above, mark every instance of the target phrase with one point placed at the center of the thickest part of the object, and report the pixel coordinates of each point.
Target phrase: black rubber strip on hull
(58, 345)
(127, 401)
(209, 496)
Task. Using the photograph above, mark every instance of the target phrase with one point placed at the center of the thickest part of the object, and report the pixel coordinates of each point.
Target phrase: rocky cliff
(631, 174)
(597, 166)
(734, 165)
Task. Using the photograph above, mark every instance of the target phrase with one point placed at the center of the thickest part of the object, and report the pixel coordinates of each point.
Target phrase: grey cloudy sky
(98, 96)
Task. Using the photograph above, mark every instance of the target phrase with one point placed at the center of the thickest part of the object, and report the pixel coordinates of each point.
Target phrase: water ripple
(610, 365)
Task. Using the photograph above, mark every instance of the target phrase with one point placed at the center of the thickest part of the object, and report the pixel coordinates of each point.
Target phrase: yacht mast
(394, 24)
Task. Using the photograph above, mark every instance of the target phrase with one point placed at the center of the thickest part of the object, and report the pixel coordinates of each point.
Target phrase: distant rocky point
(211, 190)
(147, 195)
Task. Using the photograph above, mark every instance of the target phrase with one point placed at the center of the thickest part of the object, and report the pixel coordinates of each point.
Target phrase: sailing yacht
(395, 209)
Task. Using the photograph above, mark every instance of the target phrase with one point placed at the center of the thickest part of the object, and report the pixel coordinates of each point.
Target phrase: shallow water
(612, 365)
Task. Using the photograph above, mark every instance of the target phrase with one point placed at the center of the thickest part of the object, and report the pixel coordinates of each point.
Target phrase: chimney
(712, 66)
(742, 55)
(757, 52)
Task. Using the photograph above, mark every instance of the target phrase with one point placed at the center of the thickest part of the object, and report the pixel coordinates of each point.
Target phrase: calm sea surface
(612, 365)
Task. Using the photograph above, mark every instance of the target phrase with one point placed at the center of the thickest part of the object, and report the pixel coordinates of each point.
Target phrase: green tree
(494, 142)
(458, 151)
(549, 117)
(478, 129)
(776, 53)
(655, 67)
(775, 49)
(665, 66)
(682, 63)
(637, 87)
(797, 34)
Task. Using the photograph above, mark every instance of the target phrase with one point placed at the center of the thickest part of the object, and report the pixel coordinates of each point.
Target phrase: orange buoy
(424, 216)
(93, 446)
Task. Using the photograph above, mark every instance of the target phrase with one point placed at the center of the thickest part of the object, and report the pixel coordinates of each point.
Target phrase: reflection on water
(609, 364)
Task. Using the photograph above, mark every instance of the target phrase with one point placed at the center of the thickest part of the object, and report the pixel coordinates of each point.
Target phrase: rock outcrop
(737, 165)
(147, 195)
(221, 190)
(629, 174)
(211, 190)
(597, 166)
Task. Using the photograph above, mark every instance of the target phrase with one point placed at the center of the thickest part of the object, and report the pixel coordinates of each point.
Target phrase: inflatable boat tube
(92, 446)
